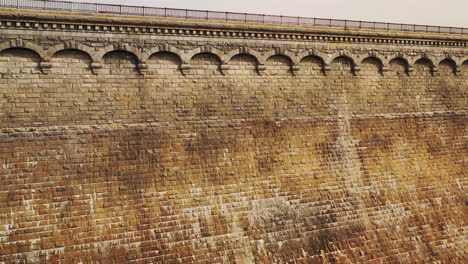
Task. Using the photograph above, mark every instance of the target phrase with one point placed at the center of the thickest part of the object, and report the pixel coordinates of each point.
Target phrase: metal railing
(81, 7)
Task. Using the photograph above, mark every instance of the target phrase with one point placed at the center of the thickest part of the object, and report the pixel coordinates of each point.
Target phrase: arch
(415, 59)
(205, 50)
(130, 49)
(353, 64)
(403, 58)
(281, 52)
(179, 59)
(246, 51)
(380, 64)
(343, 54)
(404, 62)
(420, 59)
(452, 64)
(70, 61)
(289, 59)
(373, 57)
(161, 48)
(24, 45)
(73, 45)
(218, 59)
(246, 61)
(25, 61)
(322, 56)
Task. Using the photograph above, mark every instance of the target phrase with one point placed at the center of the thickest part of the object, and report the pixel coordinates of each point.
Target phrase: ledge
(140, 21)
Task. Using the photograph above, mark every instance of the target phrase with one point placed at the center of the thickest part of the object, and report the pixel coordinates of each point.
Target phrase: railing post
(165, 12)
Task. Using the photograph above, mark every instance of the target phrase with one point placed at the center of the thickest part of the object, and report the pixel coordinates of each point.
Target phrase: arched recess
(141, 66)
(25, 61)
(120, 62)
(246, 51)
(206, 62)
(206, 50)
(312, 64)
(416, 61)
(343, 63)
(447, 67)
(279, 64)
(71, 61)
(169, 56)
(159, 49)
(164, 49)
(315, 55)
(136, 52)
(73, 45)
(372, 65)
(424, 66)
(353, 58)
(255, 55)
(43, 64)
(398, 66)
(25, 45)
(320, 55)
(244, 63)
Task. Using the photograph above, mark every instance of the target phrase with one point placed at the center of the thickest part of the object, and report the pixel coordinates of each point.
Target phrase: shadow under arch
(88, 60)
(280, 59)
(120, 58)
(248, 62)
(394, 63)
(163, 53)
(36, 54)
(343, 60)
(280, 56)
(448, 63)
(20, 52)
(424, 62)
(373, 60)
(217, 58)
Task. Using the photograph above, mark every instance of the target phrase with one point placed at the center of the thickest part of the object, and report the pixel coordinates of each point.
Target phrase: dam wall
(143, 140)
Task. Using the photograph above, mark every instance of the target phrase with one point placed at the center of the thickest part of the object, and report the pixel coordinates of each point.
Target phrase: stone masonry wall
(163, 142)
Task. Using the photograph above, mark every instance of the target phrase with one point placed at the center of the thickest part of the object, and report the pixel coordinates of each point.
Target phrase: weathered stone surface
(173, 146)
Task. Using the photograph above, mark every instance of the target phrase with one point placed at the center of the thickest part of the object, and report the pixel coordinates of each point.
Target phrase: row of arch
(185, 56)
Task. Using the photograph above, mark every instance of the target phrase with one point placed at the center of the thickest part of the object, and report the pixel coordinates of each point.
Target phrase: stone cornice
(42, 20)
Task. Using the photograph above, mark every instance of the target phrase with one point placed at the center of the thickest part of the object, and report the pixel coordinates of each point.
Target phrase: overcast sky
(432, 12)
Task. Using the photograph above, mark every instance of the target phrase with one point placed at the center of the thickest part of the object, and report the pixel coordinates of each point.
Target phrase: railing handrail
(68, 6)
